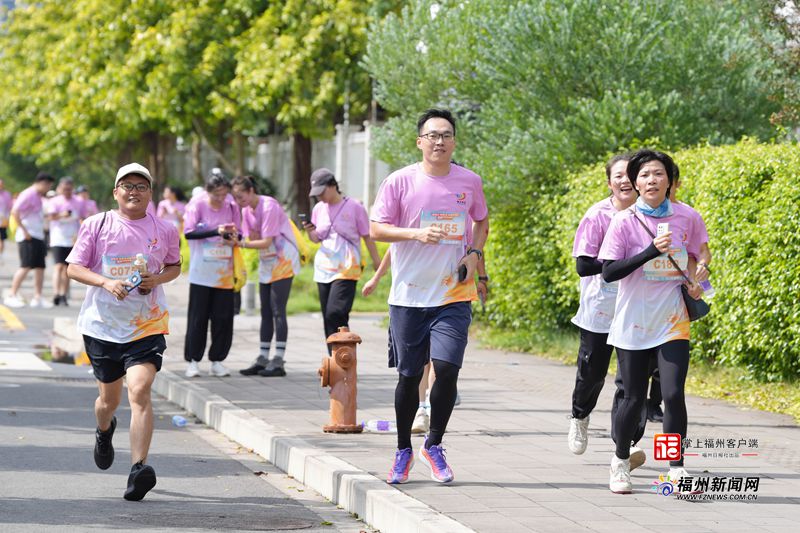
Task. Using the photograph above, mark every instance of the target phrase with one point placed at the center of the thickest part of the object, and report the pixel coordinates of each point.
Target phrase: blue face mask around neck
(663, 210)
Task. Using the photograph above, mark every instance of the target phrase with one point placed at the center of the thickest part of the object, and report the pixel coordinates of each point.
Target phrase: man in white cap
(123, 326)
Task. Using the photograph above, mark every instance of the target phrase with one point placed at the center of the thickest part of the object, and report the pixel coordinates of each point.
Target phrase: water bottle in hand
(379, 426)
(178, 421)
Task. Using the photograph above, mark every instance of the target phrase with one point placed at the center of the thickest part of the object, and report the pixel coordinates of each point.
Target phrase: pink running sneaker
(403, 461)
(434, 458)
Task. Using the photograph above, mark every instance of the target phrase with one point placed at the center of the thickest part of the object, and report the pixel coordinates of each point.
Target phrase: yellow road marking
(11, 320)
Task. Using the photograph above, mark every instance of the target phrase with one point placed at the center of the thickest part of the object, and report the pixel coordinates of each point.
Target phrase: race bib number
(118, 266)
(661, 268)
(452, 223)
(217, 251)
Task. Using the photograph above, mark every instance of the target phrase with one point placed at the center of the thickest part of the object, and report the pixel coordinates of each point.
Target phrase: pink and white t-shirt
(426, 275)
(211, 259)
(699, 231)
(340, 228)
(89, 208)
(171, 211)
(5, 208)
(64, 231)
(650, 309)
(281, 259)
(598, 297)
(30, 210)
(109, 248)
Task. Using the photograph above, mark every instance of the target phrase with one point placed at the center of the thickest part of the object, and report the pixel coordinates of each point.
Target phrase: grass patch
(305, 296)
(705, 379)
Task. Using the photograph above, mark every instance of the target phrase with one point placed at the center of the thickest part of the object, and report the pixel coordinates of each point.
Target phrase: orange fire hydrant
(339, 372)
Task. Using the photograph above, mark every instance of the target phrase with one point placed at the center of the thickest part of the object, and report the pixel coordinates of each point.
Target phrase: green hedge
(749, 196)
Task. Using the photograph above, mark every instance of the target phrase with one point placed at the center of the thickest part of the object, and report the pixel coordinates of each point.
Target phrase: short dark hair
(614, 160)
(436, 113)
(246, 182)
(217, 179)
(44, 176)
(638, 160)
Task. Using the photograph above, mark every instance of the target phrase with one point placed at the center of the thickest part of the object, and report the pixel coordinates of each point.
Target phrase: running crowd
(434, 214)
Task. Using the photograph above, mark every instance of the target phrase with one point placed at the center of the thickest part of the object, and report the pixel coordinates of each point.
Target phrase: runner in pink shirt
(89, 205)
(172, 207)
(212, 225)
(424, 210)
(123, 324)
(650, 318)
(65, 211)
(28, 212)
(267, 229)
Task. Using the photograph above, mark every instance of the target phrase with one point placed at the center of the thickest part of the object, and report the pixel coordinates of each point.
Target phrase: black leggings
(634, 366)
(336, 301)
(274, 297)
(594, 355)
(208, 303)
(443, 399)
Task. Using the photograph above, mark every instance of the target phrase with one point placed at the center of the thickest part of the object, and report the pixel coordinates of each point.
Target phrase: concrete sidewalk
(506, 442)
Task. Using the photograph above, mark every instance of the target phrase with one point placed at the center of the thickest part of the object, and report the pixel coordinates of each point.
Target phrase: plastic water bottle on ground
(178, 421)
(379, 426)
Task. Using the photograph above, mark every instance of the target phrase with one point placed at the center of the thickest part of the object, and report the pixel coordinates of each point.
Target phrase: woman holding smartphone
(267, 229)
(650, 318)
(339, 224)
(211, 225)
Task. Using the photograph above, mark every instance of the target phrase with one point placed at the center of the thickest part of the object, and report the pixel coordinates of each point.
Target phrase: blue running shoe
(434, 458)
(403, 461)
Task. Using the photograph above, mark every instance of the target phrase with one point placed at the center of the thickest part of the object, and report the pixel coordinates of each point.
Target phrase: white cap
(133, 168)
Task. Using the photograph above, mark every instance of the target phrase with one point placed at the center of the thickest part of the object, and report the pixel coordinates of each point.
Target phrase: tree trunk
(302, 172)
(239, 143)
(197, 163)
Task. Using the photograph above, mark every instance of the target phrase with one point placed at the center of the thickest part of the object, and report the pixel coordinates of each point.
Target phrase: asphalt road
(49, 482)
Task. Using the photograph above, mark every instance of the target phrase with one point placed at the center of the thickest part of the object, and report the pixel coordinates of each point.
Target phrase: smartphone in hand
(303, 218)
(133, 281)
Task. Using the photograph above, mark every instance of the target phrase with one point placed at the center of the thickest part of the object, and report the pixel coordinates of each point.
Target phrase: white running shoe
(620, 480)
(578, 436)
(637, 458)
(13, 301)
(40, 303)
(218, 370)
(676, 473)
(193, 370)
(421, 421)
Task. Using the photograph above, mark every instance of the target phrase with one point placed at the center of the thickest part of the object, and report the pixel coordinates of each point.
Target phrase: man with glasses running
(124, 317)
(429, 211)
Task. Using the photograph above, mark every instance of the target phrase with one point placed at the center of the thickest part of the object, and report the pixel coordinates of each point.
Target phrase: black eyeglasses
(434, 136)
(141, 187)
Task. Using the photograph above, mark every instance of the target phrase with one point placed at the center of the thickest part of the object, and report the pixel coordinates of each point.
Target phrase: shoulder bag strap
(671, 260)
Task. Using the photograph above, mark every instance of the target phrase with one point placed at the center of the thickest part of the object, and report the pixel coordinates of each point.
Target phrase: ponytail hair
(246, 182)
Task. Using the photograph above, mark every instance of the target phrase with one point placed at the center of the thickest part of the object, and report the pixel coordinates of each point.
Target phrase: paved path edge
(355, 490)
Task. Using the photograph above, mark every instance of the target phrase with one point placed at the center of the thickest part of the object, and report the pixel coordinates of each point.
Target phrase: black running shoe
(141, 480)
(252, 370)
(654, 413)
(103, 449)
(272, 372)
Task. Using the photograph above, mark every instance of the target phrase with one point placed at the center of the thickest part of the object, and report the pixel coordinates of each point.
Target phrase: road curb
(355, 490)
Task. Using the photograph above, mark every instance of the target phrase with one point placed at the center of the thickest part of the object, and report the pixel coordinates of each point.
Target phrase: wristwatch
(483, 278)
(476, 252)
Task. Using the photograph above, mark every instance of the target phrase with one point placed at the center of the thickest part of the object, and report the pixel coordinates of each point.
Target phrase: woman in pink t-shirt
(172, 207)
(212, 227)
(267, 229)
(650, 318)
(338, 223)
